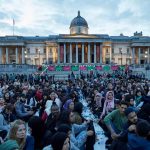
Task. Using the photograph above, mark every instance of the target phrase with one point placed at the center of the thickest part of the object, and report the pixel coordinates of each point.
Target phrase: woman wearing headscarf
(69, 105)
(108, 104)
(99, 103)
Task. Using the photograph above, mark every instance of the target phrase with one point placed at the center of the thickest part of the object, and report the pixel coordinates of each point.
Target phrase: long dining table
(87, 114)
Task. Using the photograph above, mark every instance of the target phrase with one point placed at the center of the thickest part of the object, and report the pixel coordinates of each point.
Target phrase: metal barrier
(9, 68)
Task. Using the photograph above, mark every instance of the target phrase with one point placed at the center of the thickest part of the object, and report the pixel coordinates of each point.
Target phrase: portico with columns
(12, 54)
(141, 55)
(79, 52)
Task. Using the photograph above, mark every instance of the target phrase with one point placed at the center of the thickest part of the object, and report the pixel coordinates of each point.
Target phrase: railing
(17, 68)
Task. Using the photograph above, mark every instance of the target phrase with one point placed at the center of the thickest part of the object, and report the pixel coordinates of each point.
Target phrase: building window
(36, 51)
(107, 50)
(28, 51)
(128, 50)
(120, 49)
(44, 50)
(50, 51)
(142, 51)
(112, 50)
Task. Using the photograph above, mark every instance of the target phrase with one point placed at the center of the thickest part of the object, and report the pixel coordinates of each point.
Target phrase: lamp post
(121, 55)
(145, 57)
(39, 55)
(146, 66)
(25, 52)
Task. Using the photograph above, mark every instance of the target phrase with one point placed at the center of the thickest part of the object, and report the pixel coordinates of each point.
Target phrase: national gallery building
(78, 47)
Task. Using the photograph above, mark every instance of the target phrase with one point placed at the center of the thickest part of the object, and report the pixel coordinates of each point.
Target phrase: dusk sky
(46, 17)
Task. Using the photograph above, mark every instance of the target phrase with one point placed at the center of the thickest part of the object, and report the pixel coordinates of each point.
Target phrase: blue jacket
(136, 142)
(29, 143)
(20, 110)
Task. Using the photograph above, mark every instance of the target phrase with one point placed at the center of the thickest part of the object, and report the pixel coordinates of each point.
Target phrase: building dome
(78, 25)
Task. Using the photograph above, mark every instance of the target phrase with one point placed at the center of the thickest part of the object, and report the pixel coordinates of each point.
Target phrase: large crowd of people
(37, 112)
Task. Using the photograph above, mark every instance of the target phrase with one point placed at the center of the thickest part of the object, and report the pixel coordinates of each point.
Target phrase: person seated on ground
(39, 94)
(42, 104)
(2, 104)
(18, 132)
(138, 99)
(78, 113)
(110, 87)
(53, 98)
(6, 117)
(109, 104)
(129, 127)
(74, 96)
(9, 145)
(53, 119)
(20, 109)
(60, 141)
(7, 97)
(37, 128)
(4, 126)
(140, 141)
(31, 102)
(130, 99)
(78, 119)
(144, 112)
(65, 129)
(69, 105)
(116, 120)
(79, 132)
(99, 103)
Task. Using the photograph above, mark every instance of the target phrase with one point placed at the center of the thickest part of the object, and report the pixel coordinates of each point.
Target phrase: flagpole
(13, 26)
(13, 29)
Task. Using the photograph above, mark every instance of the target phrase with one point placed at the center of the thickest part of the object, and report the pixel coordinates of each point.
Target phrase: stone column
(70, 52)
(0, 55)
(76, 52)
(148, 60)
(64, 52)
(89, 48)
(133, 55)
(23, 57)
(139, 55)
(6, 55)
(110, 55)
(16, 55)
(94, 52)
(47, 54)
(82, 52)
(101, 47)
(58, 53)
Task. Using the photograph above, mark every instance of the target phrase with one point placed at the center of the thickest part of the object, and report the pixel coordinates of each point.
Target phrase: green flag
(58, 68)
(90, 68)
(106, 68)
(74, 68)
(122, 67)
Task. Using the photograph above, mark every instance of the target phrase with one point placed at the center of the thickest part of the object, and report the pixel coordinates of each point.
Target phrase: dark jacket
(29, 143)
(136, 142)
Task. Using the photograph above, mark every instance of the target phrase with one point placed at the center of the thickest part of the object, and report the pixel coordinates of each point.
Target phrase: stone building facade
(78, 47)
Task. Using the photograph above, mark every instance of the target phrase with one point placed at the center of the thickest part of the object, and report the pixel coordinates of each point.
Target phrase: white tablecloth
(100, 137)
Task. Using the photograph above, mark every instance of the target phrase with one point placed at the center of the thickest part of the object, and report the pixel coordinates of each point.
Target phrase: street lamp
(145, 57)
(25, 52)
(121, 55)
(39, 55)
